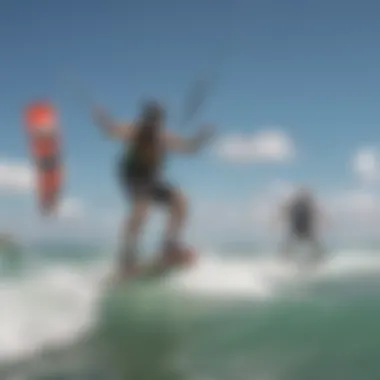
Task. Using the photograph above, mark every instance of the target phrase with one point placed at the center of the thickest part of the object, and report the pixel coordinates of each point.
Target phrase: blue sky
(306, 69)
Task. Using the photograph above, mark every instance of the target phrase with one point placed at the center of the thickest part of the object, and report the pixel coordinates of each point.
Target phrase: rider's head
(152, 115)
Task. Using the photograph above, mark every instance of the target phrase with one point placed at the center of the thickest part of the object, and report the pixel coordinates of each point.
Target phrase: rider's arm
(178, 144)
(110, 128)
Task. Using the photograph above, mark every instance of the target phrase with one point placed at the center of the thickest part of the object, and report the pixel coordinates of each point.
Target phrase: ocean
(233, 316)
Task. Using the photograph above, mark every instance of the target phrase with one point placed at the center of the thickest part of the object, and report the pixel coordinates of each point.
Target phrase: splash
(57, 305)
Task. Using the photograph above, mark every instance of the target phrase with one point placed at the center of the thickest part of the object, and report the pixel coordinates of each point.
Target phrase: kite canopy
(45, 146)
(41, 116)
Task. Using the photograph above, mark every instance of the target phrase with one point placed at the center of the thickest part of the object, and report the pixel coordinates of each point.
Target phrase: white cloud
(249, 218)
(366, 164)
(357, 207)
(71, 208)
(16, 177)
(354, 201)
(350, 215)
(282, 189)
(355, 215)
(263, 146)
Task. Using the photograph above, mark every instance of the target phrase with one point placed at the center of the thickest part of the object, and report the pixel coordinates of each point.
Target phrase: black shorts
(304, 231)
(154, 190)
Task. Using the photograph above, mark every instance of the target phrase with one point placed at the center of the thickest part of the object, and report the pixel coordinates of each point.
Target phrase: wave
(57, 304)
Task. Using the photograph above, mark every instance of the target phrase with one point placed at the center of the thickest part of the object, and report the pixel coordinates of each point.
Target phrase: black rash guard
(141, 165)
(143, 158)
(301, 216)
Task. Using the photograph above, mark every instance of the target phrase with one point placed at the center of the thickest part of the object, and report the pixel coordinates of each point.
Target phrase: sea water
(230, 317)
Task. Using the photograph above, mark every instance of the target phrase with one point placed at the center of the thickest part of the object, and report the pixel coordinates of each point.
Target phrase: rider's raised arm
(110, 128)
(182, 145)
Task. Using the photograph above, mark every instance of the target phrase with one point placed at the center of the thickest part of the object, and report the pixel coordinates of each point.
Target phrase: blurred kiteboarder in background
(302, 215)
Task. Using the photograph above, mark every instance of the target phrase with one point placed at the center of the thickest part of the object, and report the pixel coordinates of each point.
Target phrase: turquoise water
(324, 335)
(250, 319)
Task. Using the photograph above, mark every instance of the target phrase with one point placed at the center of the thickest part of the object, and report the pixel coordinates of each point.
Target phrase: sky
(295, 102)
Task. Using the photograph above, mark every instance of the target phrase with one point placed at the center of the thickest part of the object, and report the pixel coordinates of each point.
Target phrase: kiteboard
(45, 146)
(158, 268)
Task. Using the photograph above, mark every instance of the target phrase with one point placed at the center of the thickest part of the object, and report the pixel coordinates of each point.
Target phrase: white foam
(56, 305)
(237, 277)
(48, 308)
(351, 264)
(265, 276)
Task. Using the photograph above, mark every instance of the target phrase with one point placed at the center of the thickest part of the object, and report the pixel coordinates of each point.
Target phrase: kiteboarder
(301, 215)
(140, 174)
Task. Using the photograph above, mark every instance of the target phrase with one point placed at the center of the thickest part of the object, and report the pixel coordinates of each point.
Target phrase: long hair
(149, 126)
(150, 120)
